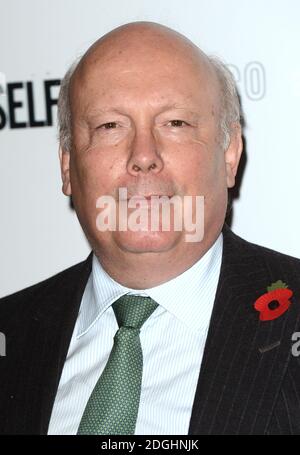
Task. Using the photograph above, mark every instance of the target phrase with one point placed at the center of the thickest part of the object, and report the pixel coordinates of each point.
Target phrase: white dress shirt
(172, 340)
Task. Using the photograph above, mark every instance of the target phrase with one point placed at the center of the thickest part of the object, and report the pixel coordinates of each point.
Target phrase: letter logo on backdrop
(2, 92)
(2, 83)
(21, 99)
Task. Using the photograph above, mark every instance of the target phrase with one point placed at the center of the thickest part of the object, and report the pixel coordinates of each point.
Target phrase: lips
(155, 195)
(149, 196)
(126, 195)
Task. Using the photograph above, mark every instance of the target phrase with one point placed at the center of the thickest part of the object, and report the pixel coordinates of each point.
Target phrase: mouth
(148, 197)
(128, 195)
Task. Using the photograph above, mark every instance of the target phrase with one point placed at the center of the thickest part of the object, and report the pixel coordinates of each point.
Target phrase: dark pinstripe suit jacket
(249, 381)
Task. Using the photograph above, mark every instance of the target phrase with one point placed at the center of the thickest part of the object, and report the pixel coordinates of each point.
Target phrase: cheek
(216, 187)
(94, 173)
(216, 179)
(80, 174)
(201, 170)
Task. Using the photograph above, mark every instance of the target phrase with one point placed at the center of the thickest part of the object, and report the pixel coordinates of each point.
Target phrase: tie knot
(133, 310)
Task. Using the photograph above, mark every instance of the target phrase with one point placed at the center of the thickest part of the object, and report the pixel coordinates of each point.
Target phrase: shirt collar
(189, 296)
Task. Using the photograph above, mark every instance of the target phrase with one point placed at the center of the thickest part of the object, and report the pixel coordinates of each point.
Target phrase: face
(146, 120)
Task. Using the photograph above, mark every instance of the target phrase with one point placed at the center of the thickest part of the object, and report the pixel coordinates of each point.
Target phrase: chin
(146, 242)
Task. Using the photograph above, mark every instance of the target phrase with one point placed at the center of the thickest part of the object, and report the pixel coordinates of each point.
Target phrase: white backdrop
(260, 39)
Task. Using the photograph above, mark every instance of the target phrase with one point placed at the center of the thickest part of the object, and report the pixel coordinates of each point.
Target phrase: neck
(147, 270)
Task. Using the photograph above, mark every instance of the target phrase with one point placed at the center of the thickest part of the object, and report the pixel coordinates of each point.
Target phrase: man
(146, 110)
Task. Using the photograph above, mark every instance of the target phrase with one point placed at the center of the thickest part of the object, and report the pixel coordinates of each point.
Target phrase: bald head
(140, 50)
(144, 41)
(143, 47)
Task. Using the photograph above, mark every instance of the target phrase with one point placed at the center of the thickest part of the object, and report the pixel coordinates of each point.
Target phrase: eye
(178, 123)
(108, 125)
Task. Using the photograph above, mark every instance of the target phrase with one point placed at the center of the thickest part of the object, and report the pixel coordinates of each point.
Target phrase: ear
(233, 155)
(64, 158)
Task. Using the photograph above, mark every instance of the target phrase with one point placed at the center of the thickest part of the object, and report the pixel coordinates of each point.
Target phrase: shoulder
(53, 285)
(260, 256)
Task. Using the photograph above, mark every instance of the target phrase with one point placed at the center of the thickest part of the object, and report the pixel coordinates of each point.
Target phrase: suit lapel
(244, 359)
(52, 328)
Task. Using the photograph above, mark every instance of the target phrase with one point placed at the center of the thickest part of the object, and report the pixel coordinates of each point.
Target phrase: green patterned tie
(113, 405)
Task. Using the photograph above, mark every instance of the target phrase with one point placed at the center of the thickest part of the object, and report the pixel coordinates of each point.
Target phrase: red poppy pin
(275, 302)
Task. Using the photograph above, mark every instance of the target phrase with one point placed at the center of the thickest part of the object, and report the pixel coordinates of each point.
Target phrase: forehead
(143, 73)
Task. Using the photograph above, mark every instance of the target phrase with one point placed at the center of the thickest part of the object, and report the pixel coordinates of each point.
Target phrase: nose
(144, 156)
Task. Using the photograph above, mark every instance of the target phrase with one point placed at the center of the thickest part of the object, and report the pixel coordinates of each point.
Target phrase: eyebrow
(90, 114)
(96, 111)
(118, 110)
